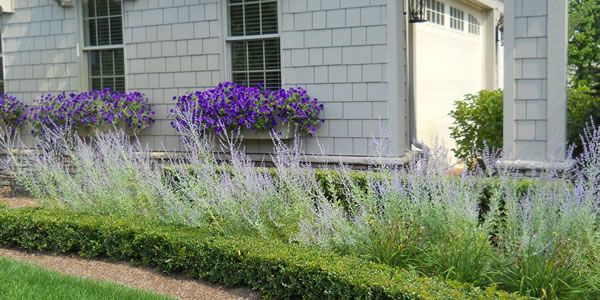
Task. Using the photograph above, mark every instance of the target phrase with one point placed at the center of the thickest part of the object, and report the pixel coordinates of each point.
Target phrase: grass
(25, 281)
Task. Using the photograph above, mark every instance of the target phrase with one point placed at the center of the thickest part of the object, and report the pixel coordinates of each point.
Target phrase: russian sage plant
(541, 241)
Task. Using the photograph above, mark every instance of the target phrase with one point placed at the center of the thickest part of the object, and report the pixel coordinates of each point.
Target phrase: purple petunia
(13, 112)
(231, 106)
(93, 109)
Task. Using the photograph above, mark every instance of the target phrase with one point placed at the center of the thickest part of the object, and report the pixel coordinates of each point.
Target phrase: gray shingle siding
(336, 49)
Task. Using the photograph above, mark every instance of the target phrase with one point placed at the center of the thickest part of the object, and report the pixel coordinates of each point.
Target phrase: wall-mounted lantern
(416, 11)
(500, 31)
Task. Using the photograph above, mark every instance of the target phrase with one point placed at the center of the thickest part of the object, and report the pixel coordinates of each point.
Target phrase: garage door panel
(449, 64)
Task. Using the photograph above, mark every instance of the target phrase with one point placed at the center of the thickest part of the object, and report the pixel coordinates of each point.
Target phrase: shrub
(91, 110)
(478, 121)
(12, 111)
(276, 269)
(414, 217)
(231, 107)
(583, 108)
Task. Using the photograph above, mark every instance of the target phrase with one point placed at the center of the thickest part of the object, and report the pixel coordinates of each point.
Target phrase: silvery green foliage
(541, 241)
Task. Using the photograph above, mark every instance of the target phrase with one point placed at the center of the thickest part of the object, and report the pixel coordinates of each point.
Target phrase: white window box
(283, 132)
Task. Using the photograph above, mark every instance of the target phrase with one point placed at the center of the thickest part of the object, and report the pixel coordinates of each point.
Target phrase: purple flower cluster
(90, 110)
(231, 106)
(12, 111)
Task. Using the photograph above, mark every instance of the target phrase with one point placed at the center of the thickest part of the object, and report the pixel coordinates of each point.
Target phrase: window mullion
(96, 19)
(260, 20)
(247, 63)
(264, 62)
(244, 18)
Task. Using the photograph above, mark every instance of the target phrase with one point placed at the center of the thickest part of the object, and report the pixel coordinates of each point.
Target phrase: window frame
(430, 11)
(474, 28)
(455, 20)
(228, 39)
(3, 73)
(83, 51)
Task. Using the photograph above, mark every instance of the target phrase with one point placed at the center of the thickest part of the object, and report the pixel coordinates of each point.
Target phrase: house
(376, 73)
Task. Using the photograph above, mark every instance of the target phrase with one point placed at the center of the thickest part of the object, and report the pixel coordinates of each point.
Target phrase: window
(436, 12)
(254, 42)
(457, 19)
(103, 26)
(474, 26)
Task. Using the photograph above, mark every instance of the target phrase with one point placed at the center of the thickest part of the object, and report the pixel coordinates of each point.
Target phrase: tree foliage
(584, 42)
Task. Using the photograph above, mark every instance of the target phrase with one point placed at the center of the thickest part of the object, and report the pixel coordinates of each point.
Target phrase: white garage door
(449, 64)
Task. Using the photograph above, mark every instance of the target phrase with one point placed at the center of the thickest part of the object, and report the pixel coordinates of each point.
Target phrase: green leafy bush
(583, 107)
(276, 269)
(478, 120)
(477, 123)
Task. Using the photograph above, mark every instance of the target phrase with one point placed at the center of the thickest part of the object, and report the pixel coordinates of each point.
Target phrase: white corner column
(535, 79)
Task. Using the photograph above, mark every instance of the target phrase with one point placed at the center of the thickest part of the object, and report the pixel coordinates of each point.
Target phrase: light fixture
(500, 31)
(416, 11)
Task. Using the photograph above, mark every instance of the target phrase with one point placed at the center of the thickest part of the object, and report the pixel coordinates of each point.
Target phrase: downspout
(411, 70)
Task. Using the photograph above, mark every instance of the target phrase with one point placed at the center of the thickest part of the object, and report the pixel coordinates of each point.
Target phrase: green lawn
(25, 281)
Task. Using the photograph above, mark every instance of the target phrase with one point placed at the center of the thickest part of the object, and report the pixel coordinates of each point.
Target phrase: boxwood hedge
(277, 270)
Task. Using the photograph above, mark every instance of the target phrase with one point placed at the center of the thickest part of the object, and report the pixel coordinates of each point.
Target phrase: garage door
(449, 64)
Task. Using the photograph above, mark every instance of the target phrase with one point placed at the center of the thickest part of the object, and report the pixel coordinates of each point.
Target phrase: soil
(15, 201)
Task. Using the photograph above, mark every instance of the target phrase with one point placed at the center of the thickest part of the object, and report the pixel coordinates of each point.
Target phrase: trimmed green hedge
(276, 269)
(333, 184)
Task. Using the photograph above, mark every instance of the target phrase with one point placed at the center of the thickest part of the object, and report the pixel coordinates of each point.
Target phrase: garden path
(178, 287)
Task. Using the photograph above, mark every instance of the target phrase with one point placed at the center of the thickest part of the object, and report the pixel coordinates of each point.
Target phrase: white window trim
(228, 38)
(83, 50)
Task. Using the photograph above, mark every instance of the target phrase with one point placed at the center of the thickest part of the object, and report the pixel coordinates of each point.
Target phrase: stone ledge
(531, 165)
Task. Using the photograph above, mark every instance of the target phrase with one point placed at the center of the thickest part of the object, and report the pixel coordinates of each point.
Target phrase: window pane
(236, 17)
(101, 8)
(97, 84)
(89, 8)
(241, 78)
(95, 63)
(252, 16)
(273, 80)
(91, 38)
(107, 63)
(103, 32)
(119, 84)
(115, 7)
(272, 55)
(269, 18)
(116, 31)
(119, 61)
(255, 55)
(238, 53)
(256, 78)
